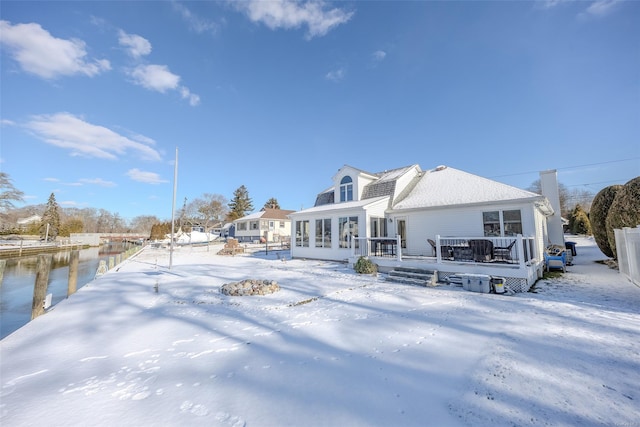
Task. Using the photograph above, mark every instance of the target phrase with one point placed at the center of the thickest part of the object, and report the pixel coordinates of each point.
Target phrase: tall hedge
(624, 211)
(579, 222)
(598, 216)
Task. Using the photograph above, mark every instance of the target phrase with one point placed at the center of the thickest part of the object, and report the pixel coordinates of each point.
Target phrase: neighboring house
(390, 216)
(227, 230)
(273, 225)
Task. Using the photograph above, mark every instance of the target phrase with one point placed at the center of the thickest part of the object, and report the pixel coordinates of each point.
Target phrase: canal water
(16, 289)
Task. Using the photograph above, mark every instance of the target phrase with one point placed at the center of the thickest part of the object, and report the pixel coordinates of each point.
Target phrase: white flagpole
(173, 208)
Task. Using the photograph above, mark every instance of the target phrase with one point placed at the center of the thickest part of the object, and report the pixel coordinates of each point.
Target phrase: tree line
(206, 211)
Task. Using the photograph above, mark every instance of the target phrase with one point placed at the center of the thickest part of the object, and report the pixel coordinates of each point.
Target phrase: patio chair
(555, 256)
(503, 252)
(433, 246)
(445, 250)
(481, 249)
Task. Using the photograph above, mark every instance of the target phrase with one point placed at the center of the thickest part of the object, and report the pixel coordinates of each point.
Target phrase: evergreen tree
(241, 204)
(598, 217)
(51, 217)
(624, 211)
(579, 221)
(272, 203)
(159, 231)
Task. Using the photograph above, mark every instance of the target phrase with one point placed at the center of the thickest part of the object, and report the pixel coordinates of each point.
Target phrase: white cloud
(85, 139)
(136, 45)
(336, 75)
(192, 97)
(287, 14)
(98, 181)
(51, 179)
(196, 23)
(160, 79)
(146, 177)
(38, 52)
(155, 77)
(548, 4)
(601, 7)
(379, 55)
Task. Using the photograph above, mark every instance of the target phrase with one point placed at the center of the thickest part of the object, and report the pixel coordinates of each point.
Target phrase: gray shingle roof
(385, 185)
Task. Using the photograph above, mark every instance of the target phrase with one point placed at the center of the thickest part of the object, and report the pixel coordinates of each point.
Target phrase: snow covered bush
(365, 266)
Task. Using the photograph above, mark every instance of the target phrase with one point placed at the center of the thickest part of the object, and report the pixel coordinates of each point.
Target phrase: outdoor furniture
(481, 249)
(385, 247)
(555, 256)
(503, 253)
(461, 253)
(445, 250)
(433, 246)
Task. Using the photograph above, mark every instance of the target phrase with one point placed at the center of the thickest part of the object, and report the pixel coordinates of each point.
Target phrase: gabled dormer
(352, 184)
(349, 183)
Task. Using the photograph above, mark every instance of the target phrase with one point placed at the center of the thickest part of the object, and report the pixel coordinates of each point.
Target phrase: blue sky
(278, 95)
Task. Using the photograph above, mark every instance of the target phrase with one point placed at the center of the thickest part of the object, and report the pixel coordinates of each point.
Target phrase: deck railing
(509, 250)
(386, 247)
(499, 250)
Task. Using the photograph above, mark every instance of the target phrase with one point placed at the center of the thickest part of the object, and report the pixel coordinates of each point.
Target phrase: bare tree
(8, 193)
(206, 211)
(142, 224)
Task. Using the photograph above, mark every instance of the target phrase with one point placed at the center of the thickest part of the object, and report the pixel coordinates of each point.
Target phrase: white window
(323, 233)
(302, 233)
(346, 189)
(502, 223)
(348, 230)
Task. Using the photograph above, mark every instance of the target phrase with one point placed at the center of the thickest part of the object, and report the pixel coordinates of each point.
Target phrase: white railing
(628, 252)
(510, 250)
(386, 247)
(514, 250)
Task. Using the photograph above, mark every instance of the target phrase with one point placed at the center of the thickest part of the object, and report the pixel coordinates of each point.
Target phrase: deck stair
(413, 276)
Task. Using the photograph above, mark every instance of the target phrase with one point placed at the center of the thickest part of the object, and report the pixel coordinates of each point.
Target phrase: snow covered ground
(331, 348)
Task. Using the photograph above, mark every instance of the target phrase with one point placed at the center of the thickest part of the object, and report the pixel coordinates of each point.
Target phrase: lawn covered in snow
(147, 345)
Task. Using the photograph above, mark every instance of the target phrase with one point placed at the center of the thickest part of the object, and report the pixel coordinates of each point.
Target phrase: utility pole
(173, 208)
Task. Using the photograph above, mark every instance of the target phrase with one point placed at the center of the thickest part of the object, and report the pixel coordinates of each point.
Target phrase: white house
(440, 219)
(273, 225)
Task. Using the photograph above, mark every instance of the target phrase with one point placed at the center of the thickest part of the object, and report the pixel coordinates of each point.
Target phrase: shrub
(598, 217)
(579, 222)
(365, 266)
(624, 211)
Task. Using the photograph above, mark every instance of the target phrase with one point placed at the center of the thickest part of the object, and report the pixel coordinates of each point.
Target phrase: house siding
(457, 221)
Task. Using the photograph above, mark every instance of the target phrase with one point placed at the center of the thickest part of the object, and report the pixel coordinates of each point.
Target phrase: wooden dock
(17, 251)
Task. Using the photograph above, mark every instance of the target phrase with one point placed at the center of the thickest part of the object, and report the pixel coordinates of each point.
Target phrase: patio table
(385, 246)
(461, 252)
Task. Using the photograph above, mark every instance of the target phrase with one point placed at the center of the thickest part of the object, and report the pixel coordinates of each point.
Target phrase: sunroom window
(323, 233)
(302, 233)
(348, 230)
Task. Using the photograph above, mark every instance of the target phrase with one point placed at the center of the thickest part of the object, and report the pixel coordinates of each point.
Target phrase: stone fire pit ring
(250, 287)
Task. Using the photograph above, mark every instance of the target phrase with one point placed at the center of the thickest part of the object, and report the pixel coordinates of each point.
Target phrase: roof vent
(441, 167)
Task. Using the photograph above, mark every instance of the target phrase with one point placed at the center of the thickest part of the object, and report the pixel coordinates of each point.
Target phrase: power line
(570, 167)
(595, 183)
